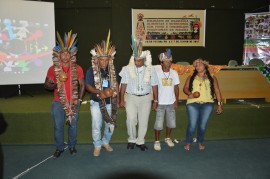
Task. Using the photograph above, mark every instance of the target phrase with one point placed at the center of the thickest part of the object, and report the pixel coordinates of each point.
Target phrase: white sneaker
(169, 142)
(157, 146)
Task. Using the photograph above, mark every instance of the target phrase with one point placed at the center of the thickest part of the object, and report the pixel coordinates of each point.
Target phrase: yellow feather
(98, 48)
(68, 39)
(60, 40)
(108, 41)
(72, 40)
(112, 50)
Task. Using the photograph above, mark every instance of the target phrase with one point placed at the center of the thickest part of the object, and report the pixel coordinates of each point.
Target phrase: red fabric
(51, 74)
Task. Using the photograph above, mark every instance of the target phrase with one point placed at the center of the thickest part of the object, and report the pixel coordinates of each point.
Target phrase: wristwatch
(219, 103)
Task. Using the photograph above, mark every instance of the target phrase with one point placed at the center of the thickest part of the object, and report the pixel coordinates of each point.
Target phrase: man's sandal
(187, 147)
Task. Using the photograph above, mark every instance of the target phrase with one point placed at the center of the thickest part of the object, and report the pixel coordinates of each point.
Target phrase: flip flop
(201, 146)
(187, 147)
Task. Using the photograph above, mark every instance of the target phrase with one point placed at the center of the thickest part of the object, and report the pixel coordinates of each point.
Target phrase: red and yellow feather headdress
(69, 42)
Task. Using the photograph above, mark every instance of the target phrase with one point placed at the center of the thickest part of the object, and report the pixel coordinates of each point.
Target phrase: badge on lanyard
(105, 83)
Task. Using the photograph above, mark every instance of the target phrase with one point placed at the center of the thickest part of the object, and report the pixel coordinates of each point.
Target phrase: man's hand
(122, 103)
(175, 104)
(155, 105)
(102, 95)
(49, 84)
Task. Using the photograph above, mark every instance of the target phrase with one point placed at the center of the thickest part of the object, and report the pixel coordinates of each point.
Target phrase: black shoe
(130, 146)
(142, 147)
(72, 150)
(57, 153)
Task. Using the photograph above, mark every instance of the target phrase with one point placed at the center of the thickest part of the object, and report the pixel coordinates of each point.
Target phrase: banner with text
(169, 27)
(257, 37)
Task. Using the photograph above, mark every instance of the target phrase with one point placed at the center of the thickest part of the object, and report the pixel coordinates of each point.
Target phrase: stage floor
(246, 158)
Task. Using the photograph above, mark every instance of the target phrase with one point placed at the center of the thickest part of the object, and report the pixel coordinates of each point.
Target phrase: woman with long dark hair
(202, 88)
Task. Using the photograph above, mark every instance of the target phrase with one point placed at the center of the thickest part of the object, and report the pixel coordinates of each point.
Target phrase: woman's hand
(190, 96)
(219, 109)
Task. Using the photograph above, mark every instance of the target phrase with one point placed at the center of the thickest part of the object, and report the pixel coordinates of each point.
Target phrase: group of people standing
(142, 87)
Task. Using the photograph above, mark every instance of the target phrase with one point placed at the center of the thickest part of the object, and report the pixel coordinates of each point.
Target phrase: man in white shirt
(138, 79)
(168, 92)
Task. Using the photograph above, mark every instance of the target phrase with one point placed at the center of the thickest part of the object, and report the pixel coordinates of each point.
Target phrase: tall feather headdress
(138, 53)
(104, 49)
(137, 48)
(69, 42)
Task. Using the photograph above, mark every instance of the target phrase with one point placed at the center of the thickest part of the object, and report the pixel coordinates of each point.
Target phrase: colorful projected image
(22, 45)
(26, 41)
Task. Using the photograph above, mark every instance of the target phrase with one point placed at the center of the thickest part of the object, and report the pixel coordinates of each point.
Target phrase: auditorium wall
(91, 19)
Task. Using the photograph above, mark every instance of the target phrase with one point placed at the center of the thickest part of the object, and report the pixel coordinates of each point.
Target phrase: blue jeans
(198, 114)
(97, 125)
(59, 118)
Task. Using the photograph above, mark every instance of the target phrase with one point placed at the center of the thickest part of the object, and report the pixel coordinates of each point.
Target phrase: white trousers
(138, 110)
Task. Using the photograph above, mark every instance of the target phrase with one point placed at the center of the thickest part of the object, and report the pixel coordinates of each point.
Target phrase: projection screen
(27, 36)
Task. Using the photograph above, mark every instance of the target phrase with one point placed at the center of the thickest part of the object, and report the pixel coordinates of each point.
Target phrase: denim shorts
(170, 116)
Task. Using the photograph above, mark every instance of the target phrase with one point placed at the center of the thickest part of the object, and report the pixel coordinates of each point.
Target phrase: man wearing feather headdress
(102, 84)
(168, 92)
(138, 78)
(66, 79)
